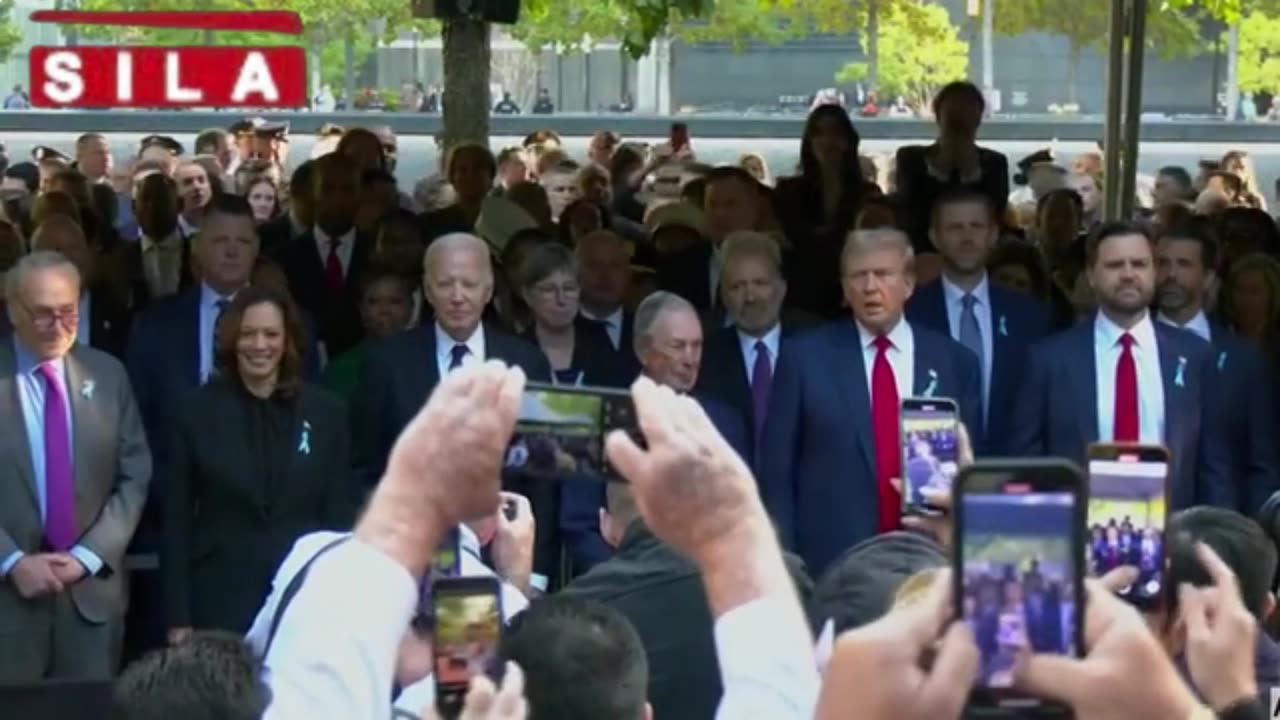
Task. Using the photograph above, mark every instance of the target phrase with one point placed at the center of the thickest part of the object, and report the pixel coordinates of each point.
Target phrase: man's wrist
(403, 523)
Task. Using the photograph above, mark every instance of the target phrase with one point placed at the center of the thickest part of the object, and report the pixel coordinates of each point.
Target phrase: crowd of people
(217, 369)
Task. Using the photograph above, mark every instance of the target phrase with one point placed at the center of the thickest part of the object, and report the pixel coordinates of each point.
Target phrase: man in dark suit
(1185, 258)
(605, 277)
(399, 373)
(832, 445)
(323, 263)
(278, 234)
(744, 355)
(730, 204)
(997, 325)
(1123, 378)
(669, 344)
(159, 264)
(77, 480)
(104, 312)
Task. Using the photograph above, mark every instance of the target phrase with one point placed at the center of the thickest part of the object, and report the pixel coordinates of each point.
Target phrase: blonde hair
(750, 243)
(861, 242)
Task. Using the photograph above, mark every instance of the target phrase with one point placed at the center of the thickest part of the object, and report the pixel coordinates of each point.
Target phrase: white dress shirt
(346, 244)
(771, 341)
(982, 311)
(901, 356)
(1198, 324)
(764, 675)
(612, 325)
(444, 348)
(1146, 356)
(208, 320)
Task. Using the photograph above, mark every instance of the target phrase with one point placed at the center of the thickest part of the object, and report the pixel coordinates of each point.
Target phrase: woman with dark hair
(386, 308)
(259, 459)
(582, 217)
(954, 161)
(817, 209)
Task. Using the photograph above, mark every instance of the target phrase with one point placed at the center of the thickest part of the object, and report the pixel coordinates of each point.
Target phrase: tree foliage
(1259, 54)
(10, 36)
(920, 51)
(1173, 26)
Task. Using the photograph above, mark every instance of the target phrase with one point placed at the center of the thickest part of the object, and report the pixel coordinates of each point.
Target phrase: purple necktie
(761, 384)
(59, 485)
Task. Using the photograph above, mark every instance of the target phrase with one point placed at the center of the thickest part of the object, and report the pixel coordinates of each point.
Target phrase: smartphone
(1128, 506)
(1018, 557)
(930, 450)
(561, 431)
(446, 562)
(468, 629)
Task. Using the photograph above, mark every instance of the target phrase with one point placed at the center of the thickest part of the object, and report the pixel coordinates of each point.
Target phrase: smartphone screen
(446, 562)
(1127, 491)
(930, 448)
(1019, 570)
(468, 629)
(561, 430)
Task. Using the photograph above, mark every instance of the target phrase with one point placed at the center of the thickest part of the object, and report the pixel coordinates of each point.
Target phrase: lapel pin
(304, 443)
(1222, 359)
(86, 389)
(1179, 375)
(1004, 326)
(932, 387)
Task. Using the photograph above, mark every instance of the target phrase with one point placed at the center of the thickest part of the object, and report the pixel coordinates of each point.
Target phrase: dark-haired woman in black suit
(259, 459)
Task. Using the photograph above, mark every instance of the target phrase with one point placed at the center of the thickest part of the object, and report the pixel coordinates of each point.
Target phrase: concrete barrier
(1033, 129)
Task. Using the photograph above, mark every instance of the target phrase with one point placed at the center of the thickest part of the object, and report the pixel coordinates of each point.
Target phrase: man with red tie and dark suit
(832, 442)
(996, 324)
(1121, 377)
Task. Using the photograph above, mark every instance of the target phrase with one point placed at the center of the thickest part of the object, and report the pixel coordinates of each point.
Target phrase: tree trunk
(349, 69)
(467, 59)
(988, 52)
(873, 46)
(1233, 73)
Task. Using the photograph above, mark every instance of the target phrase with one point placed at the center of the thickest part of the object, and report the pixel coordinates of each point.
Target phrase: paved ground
(418, 155)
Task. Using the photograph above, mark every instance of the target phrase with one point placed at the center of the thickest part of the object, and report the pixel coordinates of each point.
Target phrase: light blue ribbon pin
(1179, 375)
(1004, 326)
(932, 387)
(86, 389)
(1222, 360)
(304, 443)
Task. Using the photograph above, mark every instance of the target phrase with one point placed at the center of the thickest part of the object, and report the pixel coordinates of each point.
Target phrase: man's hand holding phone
(938, 525)
(512, 545)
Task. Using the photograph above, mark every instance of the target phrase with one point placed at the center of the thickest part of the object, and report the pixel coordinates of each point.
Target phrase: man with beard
(1185, 258)
(995, 324)
(1121, 377)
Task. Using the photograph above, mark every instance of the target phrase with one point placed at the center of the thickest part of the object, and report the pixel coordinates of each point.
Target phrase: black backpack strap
(292, 589)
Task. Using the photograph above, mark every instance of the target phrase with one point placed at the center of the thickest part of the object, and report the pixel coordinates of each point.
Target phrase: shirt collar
(1198, 324)
(173, 240)
(900, 336)
(955, 294)
(614, 318)
(1107, 334)
(185, 227)
(27, 362)
(770, 340)
(445, 342)
(468, 541)
(210, 297)
(343, 240)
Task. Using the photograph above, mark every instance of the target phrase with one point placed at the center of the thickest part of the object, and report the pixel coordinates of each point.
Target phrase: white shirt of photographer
(420, 694)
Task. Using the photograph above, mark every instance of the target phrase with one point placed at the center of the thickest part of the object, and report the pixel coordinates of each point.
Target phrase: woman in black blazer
(578, 348)
(259, 459)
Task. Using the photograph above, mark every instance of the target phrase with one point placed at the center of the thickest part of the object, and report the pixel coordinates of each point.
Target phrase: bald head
(457, 281)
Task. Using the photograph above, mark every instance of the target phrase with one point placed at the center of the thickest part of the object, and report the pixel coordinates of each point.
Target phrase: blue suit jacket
(818, 466)
(1057, 411)
(1250, 416)
(581, 500)
(1017, 322)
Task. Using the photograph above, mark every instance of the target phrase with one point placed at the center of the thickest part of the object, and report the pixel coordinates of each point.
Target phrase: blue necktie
(761, 384)
(457, 355)
(970, 331)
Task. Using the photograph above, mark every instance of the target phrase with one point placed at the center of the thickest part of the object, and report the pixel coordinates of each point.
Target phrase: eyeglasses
(45, 319)
(553, 289)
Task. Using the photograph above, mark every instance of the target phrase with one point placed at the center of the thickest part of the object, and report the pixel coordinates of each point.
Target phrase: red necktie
(1126, 413)
(884, 425)
(333, 276)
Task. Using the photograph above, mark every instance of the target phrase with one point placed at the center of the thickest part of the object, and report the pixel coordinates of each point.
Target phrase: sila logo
(100, 77)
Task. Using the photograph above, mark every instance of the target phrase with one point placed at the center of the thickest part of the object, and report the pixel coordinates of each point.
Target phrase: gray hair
(861, 242)
(543, 261)
(652, 308)
(33, 262)
(457, 241)
(750, 243)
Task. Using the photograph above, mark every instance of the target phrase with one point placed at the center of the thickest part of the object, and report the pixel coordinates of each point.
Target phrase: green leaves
(919, 52)
(10, 36)
(1259, 60)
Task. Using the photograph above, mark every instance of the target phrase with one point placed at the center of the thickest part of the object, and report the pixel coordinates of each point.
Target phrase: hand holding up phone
(485, 702)
(938, 524)
(512, 545)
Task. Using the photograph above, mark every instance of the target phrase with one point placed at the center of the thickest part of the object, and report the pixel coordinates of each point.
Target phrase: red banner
(168, 77)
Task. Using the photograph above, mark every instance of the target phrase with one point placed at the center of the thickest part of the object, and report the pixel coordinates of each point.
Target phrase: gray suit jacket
(112, 471)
